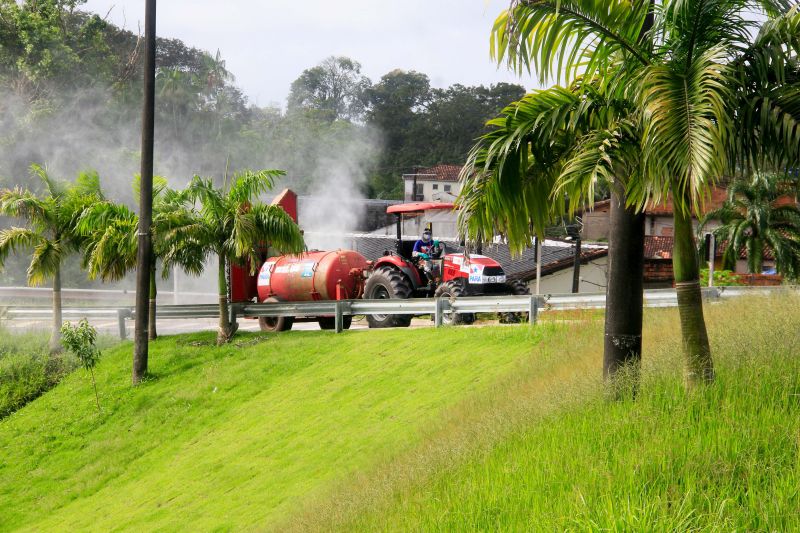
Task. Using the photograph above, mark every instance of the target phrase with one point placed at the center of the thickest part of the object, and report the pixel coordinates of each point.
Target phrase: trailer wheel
(516, 287)
(274, 324)
(329, 322)
(383, 284)
(454, 289)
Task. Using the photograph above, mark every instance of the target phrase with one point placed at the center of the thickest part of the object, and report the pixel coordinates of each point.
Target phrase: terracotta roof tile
(438, 172)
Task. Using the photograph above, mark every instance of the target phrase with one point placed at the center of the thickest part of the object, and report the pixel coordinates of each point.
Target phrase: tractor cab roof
(418, 207)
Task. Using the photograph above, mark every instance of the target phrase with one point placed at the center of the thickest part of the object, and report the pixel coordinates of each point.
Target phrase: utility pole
(143, 254)
(576, 264)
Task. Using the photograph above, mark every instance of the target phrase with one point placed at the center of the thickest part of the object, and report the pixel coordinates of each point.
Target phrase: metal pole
(145, 197)
(576, 266)
(338, 318)
(121, 314)
(711, 255)
(175, 285)
(538, 266)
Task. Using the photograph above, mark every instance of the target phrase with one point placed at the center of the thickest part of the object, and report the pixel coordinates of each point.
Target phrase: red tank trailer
(337, 275)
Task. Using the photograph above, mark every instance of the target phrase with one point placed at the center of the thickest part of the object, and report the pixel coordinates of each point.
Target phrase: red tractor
(400, 275)
(346, 274)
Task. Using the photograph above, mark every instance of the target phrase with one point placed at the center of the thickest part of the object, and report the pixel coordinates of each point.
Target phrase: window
(420, 192)
(447, 188)
(435, 186)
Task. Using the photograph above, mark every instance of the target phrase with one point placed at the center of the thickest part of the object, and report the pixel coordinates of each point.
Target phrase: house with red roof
(438, 183)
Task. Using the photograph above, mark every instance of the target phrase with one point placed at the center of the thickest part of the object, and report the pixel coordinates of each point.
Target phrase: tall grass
(550, 453)
(27, 370)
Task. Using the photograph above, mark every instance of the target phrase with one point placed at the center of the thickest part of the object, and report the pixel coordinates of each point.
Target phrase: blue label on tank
(308, 270)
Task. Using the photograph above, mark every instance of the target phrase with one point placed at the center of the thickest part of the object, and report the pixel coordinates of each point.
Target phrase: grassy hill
(474, 428)
(238, 436)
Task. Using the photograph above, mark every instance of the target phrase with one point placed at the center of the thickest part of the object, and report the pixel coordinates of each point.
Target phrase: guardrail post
(233, 311)
(533, 310)
(338, 320)
(437, 313)
(121, 314)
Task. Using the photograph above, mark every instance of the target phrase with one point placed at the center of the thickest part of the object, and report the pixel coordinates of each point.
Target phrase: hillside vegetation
(238, 436)
(494, 428)
(551, 454)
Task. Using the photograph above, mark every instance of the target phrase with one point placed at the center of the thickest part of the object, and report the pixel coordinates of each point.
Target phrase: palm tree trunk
(622, 349)
(151, 316)
(55, 336)
(755, 255)
(224, 333)
(696, 350)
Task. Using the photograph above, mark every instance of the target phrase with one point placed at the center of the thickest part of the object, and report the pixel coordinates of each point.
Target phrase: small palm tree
(232, 223)
(754, 219)
(51, 219)
(111, 240)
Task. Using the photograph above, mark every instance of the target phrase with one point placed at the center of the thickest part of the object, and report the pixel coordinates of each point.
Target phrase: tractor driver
(424, 250)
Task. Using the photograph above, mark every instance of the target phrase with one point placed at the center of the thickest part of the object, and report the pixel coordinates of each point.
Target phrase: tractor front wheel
(274, 324)
(383, 284)
(516, 287)
(454, 289)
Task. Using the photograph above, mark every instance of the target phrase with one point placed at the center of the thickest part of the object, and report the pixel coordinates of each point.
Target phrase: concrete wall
(594, 278)
(432, 190)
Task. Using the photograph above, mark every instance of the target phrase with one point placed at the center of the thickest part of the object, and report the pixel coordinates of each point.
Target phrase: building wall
(594, 278)
(595, 226)
(432, 190)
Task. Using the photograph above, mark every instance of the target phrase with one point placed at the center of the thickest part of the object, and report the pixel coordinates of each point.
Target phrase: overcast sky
(267, 44)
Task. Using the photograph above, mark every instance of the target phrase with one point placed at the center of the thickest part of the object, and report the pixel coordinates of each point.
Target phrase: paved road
(172, 327)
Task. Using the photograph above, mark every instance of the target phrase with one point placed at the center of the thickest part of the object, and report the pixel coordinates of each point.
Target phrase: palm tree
(111, 240)
(50, 231)
(754, 219)
(232, 223)
(684, 86)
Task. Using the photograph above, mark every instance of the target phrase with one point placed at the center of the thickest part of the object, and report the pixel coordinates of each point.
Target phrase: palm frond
(24, 204)
(686, 125)
(45, 262)
(13, 240)
(562, 38)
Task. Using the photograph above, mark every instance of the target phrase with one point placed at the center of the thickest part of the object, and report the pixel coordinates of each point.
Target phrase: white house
(437, 183)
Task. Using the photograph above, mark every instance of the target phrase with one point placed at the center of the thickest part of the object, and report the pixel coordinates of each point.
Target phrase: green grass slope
(555, 455)
(238, 437)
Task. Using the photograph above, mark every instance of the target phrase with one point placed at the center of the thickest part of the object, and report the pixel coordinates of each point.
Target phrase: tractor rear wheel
(516, 287)
(454, 289)
(383, 284)
(274, 324)
(329, 322)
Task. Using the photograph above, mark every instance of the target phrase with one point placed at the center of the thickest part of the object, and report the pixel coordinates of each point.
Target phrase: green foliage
(335, 87)
(722, 278)
(760, 215)
(548, 452)
(27, 370)
(80, 341)
(257, 412)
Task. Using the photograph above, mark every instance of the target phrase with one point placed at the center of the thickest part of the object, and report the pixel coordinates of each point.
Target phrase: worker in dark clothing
(423, 247)
(424, 250)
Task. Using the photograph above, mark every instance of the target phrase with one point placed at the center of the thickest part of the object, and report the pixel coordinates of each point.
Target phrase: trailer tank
(313, 276)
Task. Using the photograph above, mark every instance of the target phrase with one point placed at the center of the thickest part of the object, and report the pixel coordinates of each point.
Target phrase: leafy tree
(754, 219)
(80, 340)
(335, 87)
(51, 230)
(111, 232)
(680, 86)
(232, 223)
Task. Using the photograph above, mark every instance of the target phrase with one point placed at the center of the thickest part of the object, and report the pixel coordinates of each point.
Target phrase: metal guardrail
(533, 305)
